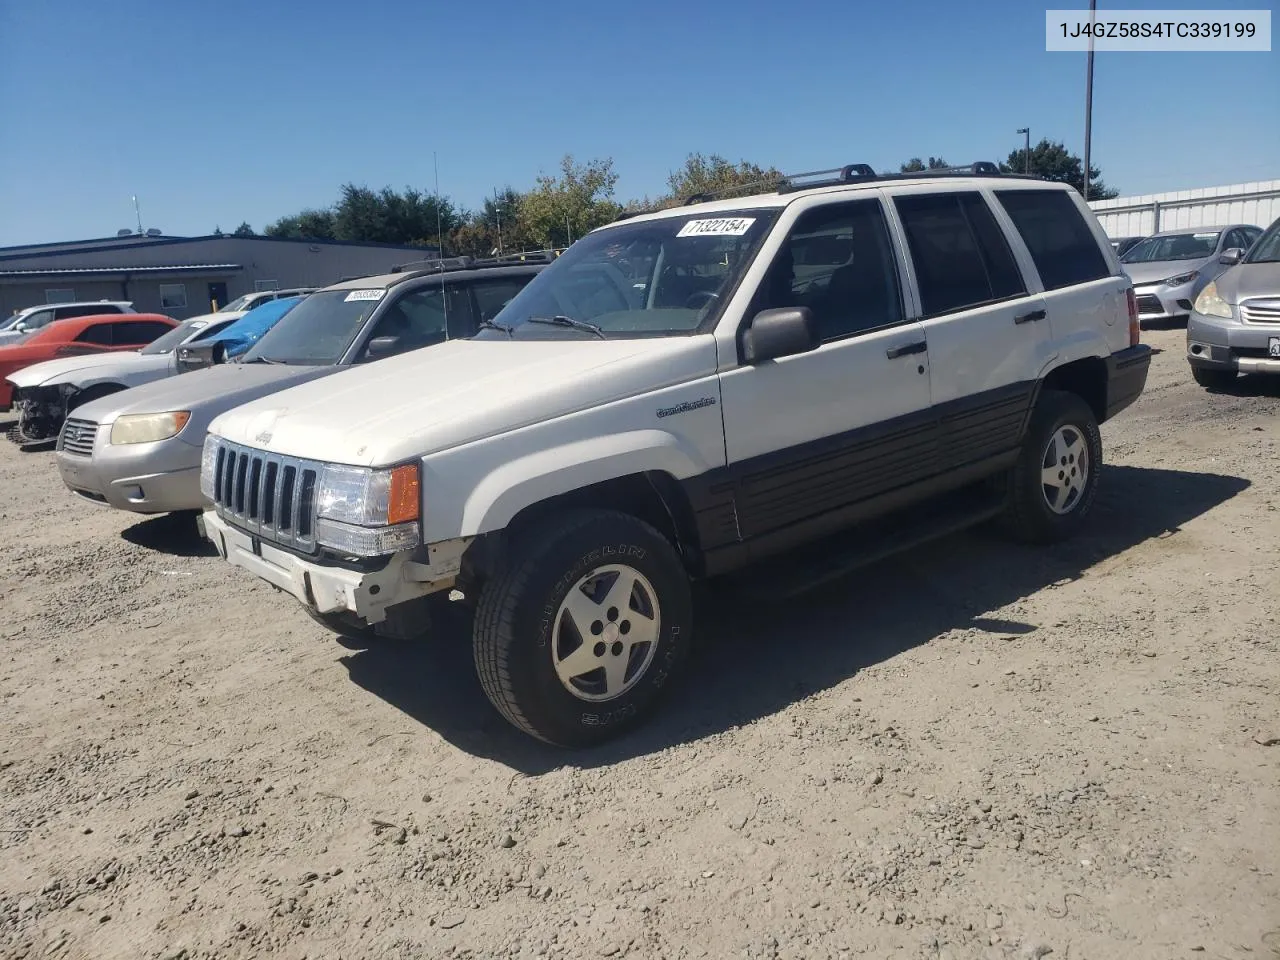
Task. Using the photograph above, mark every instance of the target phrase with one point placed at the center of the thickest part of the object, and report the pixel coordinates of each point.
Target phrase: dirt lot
(974, 750)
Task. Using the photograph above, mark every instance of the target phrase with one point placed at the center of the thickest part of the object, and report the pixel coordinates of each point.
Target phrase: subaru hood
(1246, 281)
(203, 393)
(1157, 270)
(66, 369)
(458, 392)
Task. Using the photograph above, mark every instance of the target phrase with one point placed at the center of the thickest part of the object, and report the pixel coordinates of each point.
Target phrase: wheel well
(653, 496)
(93, 393)
(1085, 378)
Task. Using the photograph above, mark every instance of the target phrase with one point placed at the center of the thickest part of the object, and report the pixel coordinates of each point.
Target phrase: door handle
(1029, 317)
(919, 346)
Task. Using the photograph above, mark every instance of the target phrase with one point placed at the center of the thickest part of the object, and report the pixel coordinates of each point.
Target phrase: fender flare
(524, 481)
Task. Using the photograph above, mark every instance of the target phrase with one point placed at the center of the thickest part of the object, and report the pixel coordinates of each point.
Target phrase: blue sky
(214, 114)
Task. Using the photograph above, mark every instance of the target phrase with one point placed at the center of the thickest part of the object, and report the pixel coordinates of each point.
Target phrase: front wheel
(1052, 486)
(580, 636)
(1213, 380)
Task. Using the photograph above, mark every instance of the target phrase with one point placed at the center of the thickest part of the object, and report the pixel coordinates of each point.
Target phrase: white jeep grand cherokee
(680, 394)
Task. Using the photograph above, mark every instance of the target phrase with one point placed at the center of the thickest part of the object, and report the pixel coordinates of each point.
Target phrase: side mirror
(779, 333)
(21, 326)
(219, 352)
(382, 347)
(1232, 255)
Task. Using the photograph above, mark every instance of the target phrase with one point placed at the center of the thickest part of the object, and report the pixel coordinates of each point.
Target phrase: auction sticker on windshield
(364, 295)
(722, 227)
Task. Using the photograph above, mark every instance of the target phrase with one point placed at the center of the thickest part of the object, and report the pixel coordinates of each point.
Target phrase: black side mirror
(782, 332)
(219, 352)
(382, 347)
(1232, 255)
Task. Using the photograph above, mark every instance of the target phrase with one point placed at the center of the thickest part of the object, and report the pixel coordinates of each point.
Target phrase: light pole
(1088, 100)
(1026, 153)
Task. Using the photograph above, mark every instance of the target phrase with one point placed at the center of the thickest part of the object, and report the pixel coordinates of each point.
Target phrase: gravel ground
(973, 750)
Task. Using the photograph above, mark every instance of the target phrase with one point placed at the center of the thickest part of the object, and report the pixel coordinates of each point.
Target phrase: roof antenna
(444, 299)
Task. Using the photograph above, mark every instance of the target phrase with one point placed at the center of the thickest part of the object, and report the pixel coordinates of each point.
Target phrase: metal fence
(1256, 203)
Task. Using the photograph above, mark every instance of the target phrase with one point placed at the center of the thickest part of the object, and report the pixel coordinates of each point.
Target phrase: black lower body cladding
(1126, 377)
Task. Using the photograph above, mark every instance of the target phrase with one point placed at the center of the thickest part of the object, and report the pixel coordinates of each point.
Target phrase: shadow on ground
(756, 659)
(171, 533)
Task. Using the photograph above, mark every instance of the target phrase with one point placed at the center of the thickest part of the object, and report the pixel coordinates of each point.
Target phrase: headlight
(1180, 279)
(1211, 304)
(368, 512)
(208, 465)
(148, 427)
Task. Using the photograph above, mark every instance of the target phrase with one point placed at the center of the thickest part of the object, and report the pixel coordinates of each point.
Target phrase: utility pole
(1088, 100)
(497, 209)
(137, 213)
(1026, 153)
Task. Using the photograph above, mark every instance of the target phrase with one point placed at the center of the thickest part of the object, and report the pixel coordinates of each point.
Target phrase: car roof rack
(420, 268)
(836, 176)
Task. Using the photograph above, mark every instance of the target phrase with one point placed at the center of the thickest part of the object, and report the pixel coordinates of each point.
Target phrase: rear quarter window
(1061, 244)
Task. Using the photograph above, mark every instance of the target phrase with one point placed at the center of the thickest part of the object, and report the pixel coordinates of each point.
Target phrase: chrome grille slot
(268, 495)
(1260, 311)
(77, 437)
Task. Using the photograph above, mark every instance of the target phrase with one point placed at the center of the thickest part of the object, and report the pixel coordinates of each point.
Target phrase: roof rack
(418, 268)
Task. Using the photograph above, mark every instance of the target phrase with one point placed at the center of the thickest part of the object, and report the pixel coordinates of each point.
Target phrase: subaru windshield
(318, 331)
(653, 278)
(1176, 246)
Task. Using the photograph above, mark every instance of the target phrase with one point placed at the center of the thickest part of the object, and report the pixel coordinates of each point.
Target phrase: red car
(66, 338)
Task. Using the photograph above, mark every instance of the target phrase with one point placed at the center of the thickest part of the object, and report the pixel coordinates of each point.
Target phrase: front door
(812, 433)
(217, 296)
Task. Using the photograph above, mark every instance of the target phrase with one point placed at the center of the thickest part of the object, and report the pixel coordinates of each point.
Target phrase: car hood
(459, 392)
(1158, 270)
(64, 368)
(1247, 280)
(204, 393)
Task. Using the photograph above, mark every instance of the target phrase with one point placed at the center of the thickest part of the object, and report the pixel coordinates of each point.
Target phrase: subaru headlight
(1180, 279)
(148, 427)
(368, 512)
(1211, 304)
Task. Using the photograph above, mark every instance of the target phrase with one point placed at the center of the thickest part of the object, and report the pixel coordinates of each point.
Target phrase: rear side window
(1062, 246)
(138, 332)
(960, 254)
(98, 333)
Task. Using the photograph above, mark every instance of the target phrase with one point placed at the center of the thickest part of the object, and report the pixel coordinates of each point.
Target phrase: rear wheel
(1213, 380)
(1052, 486)
(580, 635)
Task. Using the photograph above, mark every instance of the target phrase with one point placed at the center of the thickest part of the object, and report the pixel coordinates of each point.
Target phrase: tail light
(1135, 329)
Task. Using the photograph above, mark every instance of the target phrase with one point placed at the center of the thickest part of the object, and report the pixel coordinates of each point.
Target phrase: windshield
(1174, 246)
(168, 341)
(239, 303)
(318, 330)
(649, 279)
(1267, 247)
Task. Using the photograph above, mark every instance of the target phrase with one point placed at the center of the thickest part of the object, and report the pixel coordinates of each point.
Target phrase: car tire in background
(1213, 380)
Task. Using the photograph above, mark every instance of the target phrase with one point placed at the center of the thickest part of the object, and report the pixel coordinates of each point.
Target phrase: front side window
(654, 278)
(1267, 248)
(38, 319)
(173, 296)
(838, 262)
(1191, 245)
(1062, 246)
(99, 333)
(960, 255)
(319, 330)
(416, 320)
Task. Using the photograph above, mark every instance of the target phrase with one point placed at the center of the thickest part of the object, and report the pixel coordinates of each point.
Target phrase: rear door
(989, 336)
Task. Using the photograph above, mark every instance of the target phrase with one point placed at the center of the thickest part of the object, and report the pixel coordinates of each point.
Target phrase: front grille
(1147, 303)
(1260, 311)
(266, 494)
(77, 437)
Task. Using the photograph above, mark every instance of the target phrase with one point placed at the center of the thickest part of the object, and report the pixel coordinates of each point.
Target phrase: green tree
(714, 174)
(244, 230)
(306, 225)
(916, 165)
(1054, 162)
(559, 209)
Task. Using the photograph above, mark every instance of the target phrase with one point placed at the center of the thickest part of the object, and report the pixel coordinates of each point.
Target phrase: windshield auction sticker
(1155, 30)
(364, 295)
(723, 227)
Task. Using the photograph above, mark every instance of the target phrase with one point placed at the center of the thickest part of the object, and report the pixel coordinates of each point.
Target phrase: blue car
(236, 338)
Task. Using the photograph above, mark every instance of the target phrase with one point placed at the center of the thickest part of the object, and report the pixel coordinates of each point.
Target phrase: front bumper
(1159, 303)
(160, 477)
(333, 589)
(1215, 343)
